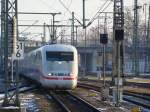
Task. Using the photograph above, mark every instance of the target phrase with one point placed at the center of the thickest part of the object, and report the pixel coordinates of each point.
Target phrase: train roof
(56, 47)
(59, 47)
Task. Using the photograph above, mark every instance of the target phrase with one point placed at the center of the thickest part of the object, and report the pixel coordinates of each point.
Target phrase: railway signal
(104, 41)
(104, 38)
(118, 34)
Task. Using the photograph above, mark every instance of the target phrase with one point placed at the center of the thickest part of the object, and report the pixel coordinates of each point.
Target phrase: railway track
(71, 103)
(134, 84)
(22, 89)
(137, 99)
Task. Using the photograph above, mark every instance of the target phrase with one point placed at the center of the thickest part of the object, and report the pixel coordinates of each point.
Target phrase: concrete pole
(135, 40)
(72, 32)
(84, 28)
(104, 64)
(104, 51)
(53, 38)
(44, 34)
(118, 74)
(76, 35)
(145, 39)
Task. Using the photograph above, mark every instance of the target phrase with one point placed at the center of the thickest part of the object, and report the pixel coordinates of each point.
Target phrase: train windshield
(59, 56)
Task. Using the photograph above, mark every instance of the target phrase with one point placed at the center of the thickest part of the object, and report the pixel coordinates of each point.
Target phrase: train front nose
(60, 82)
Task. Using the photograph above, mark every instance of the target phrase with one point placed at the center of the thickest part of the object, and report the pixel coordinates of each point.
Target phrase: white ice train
(53, 66)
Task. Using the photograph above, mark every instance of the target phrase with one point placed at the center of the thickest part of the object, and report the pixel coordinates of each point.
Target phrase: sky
(91, 7)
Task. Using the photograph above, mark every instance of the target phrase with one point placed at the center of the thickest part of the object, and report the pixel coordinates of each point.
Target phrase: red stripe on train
(59, 78)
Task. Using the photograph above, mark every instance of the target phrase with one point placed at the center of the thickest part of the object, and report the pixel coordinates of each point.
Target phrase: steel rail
(96, 88)
(76, 101)
(137, 102)
(22, 89)
(90, 106)
(138, 95)
(58, 101)
(144, 85)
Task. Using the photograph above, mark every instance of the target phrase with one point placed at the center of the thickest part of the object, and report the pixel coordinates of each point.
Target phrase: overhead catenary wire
(65, 30)
(65, 13)
(103, 8)
(29, 26)
(67, 7)
(69, 11)
(35, 36)
(100, 8)
(47, 5)
(63, 6)
(97, 14)
(27, 20)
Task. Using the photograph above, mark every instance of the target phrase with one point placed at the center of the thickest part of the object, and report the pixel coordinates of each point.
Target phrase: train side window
(34, 57)
(40, 56)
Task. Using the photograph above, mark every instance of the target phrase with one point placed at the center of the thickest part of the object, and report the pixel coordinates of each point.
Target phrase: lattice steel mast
(9, 10)
(3, 24)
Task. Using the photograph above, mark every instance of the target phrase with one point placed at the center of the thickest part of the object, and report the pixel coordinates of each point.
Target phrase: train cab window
(59, 56)
(38, 55)
(34, 57)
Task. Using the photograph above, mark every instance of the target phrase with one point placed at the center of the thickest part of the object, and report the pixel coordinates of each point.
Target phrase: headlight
(49, 74)
(59, 62)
